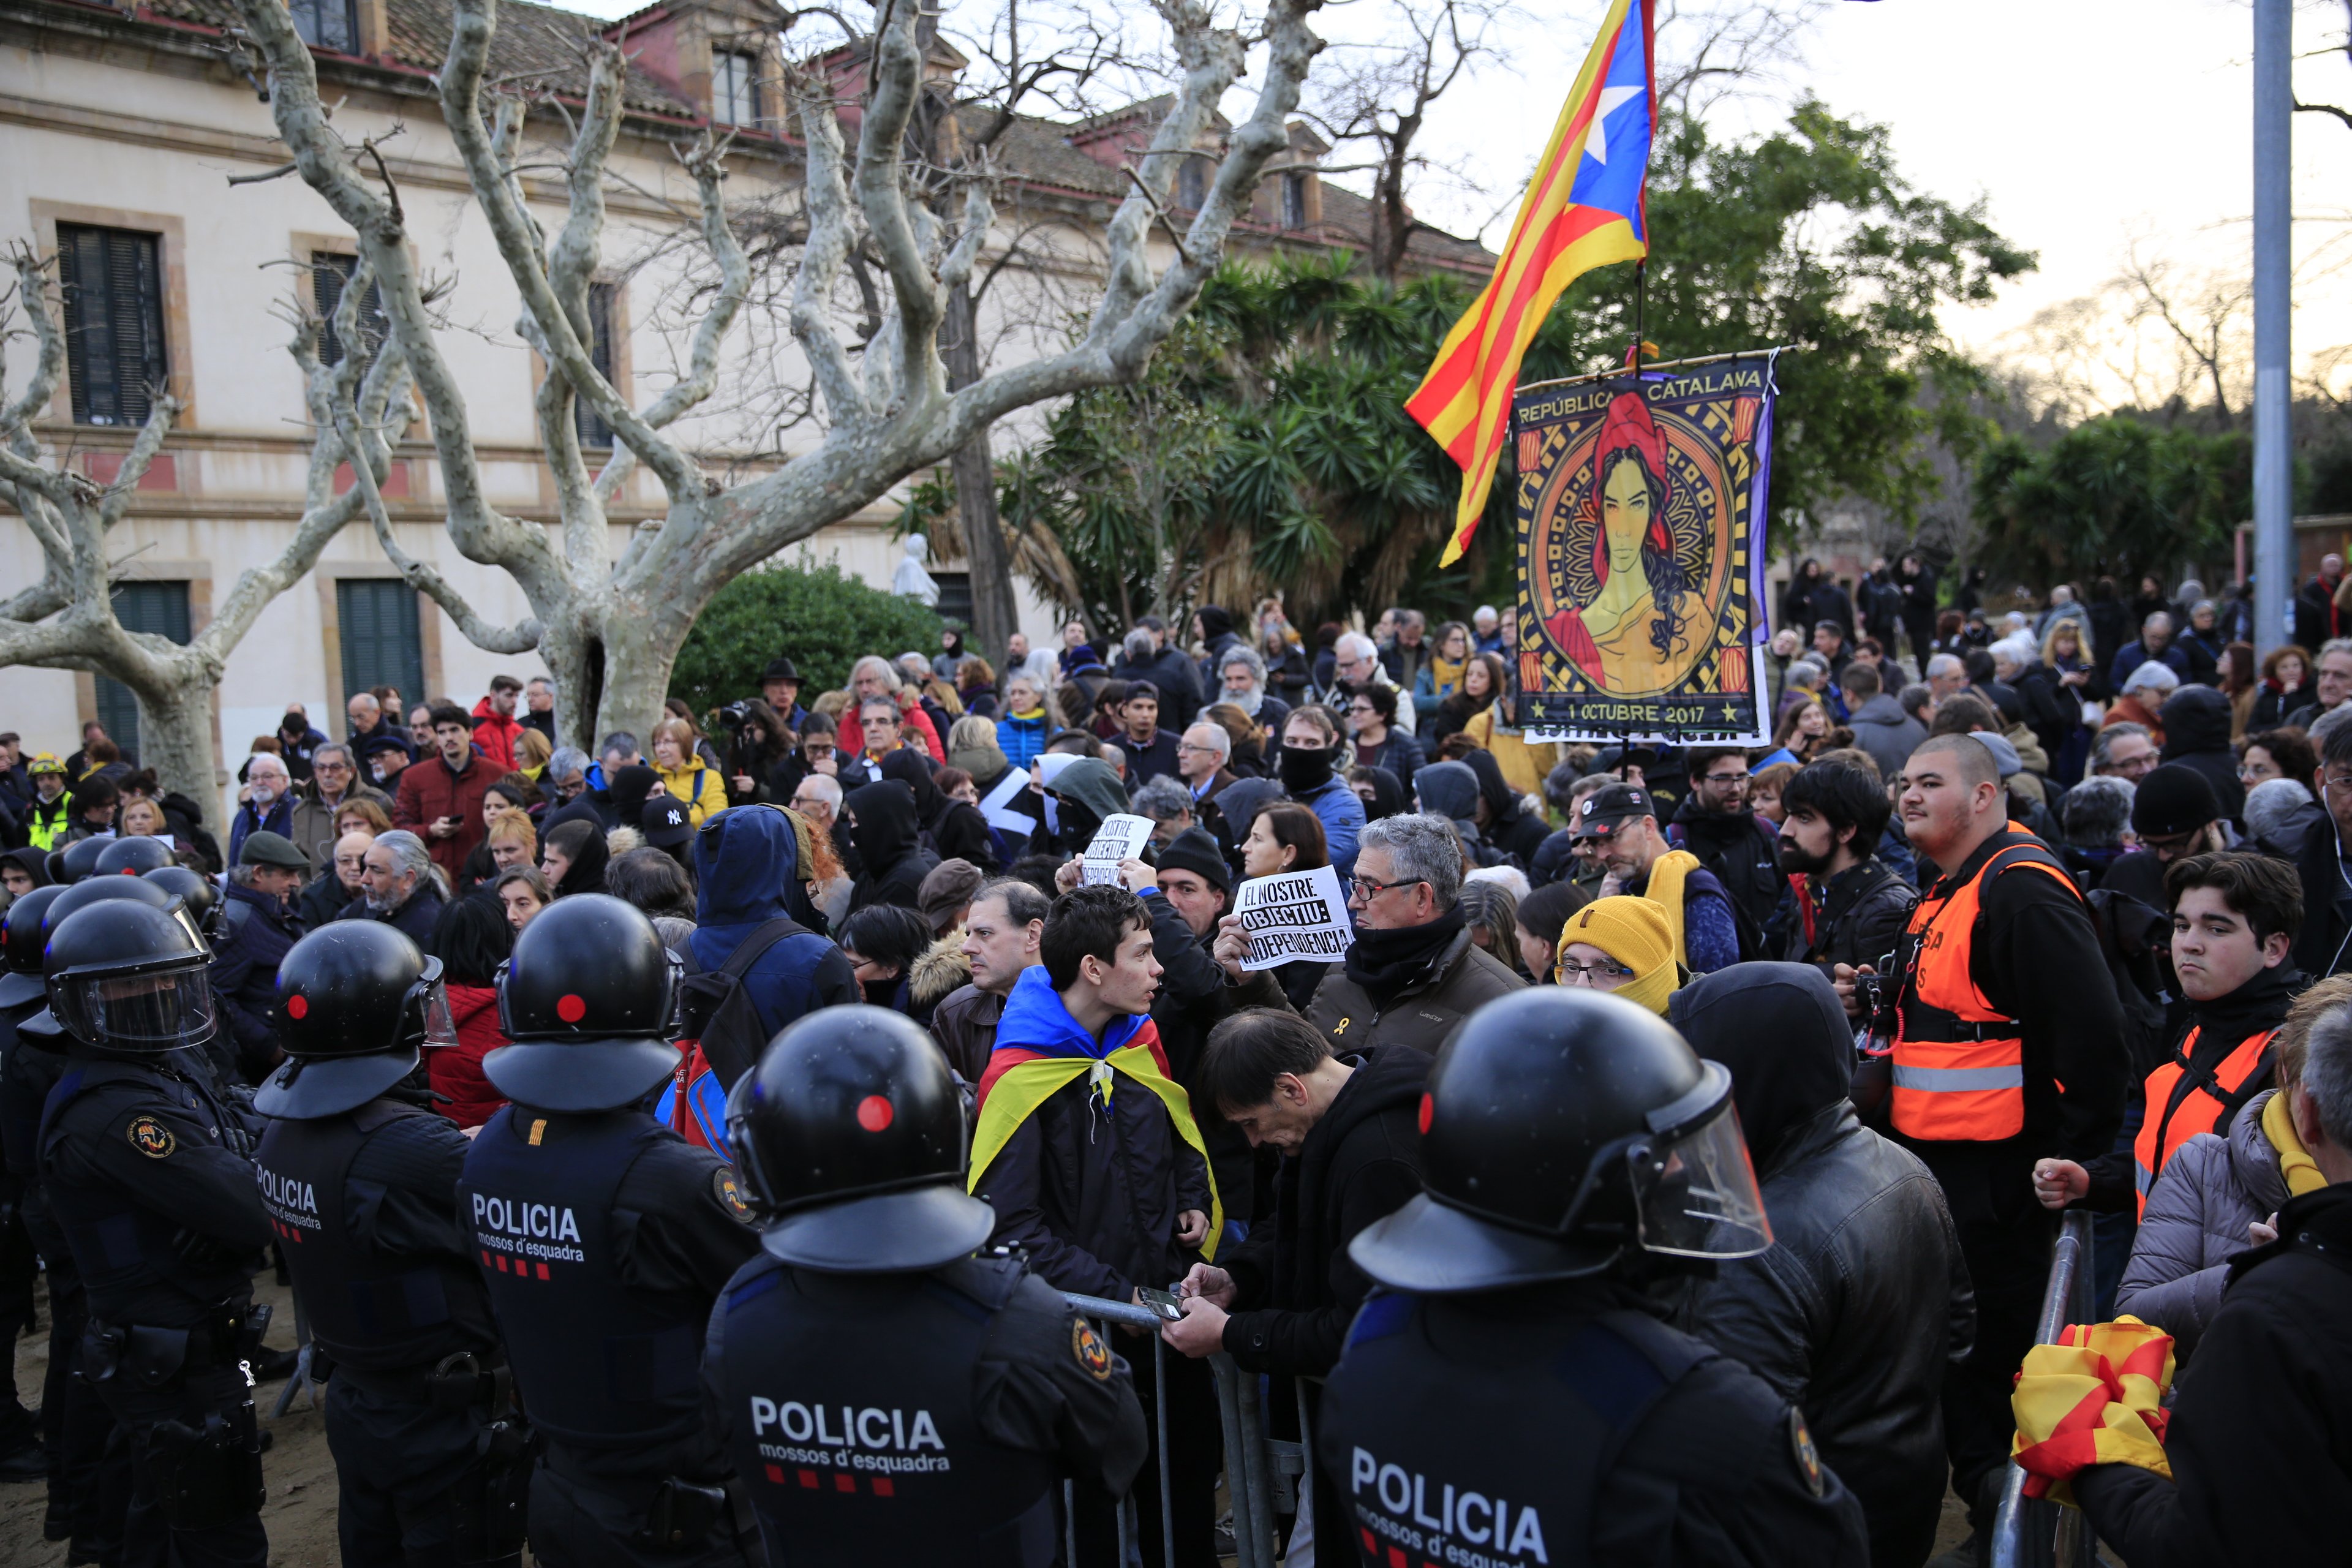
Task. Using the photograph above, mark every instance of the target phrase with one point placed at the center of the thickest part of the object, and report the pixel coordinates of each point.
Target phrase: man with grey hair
(1414, 973)
(1946, 675)
(1406, 650)
(1201, 752)
(2124, 750)
(268, 804)
(2153, 646)
(1145, 656)
(1241, 680)
(1486, 630)
(1168, 803)
(1356, 662)
(2257, 1471)
(2331, 682)
(2278, 811)
(2148, 685)
(399, 888)
(334, 783)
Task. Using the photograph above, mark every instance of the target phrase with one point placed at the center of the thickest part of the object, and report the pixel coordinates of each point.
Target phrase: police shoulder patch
(1087, 1346)
(729, 1192)
(151, 1138)
(1809, 1458)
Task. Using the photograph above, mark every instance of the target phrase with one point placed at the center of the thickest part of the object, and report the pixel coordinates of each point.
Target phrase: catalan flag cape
(1019, 1079)
(1584, 209)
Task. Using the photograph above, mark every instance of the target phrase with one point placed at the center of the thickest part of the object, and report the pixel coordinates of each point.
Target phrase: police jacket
(925, 1417)
(603, 1239)
(256, 932)
(160, 1210)
(2260, 1473)
(1561, 1423)
(364, 1207)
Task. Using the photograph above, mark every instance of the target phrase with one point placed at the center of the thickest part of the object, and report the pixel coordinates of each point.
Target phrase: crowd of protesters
(2182, 1053)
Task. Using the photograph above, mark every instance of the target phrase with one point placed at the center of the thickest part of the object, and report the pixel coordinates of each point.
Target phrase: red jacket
(456, 1070)
(429, 791)
(494, 737)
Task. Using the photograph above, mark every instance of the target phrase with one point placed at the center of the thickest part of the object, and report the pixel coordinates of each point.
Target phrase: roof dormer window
(326, 24)
(734, 88)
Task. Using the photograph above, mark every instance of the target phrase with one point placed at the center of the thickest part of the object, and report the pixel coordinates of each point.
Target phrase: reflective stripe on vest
(2164, 1126)
(1959, 1061)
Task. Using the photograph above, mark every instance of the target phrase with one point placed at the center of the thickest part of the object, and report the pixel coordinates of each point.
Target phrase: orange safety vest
(2175, 1113)
(1959, 1061)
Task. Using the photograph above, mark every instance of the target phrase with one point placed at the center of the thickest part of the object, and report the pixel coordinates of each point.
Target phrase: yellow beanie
(1634, 932)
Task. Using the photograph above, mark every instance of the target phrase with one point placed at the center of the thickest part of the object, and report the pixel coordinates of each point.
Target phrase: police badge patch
(724, 1187)
(1087, 1346)
(151, 1138)
(1809, 1458)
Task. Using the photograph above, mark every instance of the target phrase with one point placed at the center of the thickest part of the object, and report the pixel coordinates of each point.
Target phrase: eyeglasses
(1570, 971)
(1187, 746)
(813, 753)
(1366, 889)
(1723, 778)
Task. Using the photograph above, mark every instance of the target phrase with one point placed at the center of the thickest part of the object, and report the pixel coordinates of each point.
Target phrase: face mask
(1304, 767)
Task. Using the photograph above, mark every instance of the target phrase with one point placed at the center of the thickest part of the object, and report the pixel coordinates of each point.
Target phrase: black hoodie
(894, 863)
(1509, 828)
(2197, 735)
(958, 830)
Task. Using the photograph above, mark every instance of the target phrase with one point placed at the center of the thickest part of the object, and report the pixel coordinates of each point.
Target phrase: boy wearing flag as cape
(1087, 1150)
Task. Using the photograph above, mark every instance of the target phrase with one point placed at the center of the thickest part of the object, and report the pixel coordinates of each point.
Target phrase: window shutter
(330, 275)
(383, 642)
(114, 322)
(160, 609)
(593, 431)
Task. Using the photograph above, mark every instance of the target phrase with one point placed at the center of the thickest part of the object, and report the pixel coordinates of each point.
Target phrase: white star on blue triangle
(1616, 155)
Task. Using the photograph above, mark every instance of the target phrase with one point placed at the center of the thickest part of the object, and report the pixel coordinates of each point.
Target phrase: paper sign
(1120, 838)
(997, 806)
(1301, 915)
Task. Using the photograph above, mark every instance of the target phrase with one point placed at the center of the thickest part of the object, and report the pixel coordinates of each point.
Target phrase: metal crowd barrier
(2027, 1533)
(1263, 1476)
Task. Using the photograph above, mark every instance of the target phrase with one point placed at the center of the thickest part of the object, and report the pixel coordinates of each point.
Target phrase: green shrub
(825, 622)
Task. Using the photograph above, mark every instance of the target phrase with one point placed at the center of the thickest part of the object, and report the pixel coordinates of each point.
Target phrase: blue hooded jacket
(744, 868)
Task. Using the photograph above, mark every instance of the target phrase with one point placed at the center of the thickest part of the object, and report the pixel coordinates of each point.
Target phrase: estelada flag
(1585, 208)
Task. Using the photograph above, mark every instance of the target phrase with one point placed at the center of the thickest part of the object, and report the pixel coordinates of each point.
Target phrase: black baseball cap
(1600, 814)
(663, 821)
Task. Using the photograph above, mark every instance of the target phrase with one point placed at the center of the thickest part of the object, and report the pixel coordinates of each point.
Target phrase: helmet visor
(159, 1009)
(430, 997)
(1695, 1191)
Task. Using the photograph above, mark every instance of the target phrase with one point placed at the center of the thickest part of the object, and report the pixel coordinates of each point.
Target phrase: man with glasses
(1622, 823)
(334, 783)
(2123, 750)
(1356, 664)
(2323, 860)
(1731, 841)
(1414, 973)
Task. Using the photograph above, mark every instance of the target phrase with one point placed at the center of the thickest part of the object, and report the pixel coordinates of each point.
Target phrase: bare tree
(66, 620)
(610, 630)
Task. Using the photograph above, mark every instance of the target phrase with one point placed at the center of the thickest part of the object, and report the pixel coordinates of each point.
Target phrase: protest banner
(1300, 914)
(1120, 838)
(997, 806)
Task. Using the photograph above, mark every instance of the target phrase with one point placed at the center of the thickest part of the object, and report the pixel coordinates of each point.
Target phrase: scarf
(1385, 962)
(2295, 1163)
(1305, 768)
(1665, 889)
(1445, 674)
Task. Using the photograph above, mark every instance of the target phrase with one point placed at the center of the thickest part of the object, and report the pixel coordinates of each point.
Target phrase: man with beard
(1851, 906)
(1241, 680)
(398, 886)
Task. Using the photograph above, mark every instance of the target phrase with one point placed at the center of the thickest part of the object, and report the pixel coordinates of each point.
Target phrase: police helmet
(192, 888)
(850, 1137)
(587, 1000)
(76, 861)
(20, 945)
(356, 1002)
(131, 857)
(1562, 1129)
(127, 977)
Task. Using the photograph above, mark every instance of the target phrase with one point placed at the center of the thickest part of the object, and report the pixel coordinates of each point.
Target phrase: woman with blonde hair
(531, 752)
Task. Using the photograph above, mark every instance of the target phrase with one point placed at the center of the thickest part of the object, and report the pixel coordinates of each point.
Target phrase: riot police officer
(888, 1396)
(20, 1112)
(1508, 1399)
(360, 1177)
(152, 1186)
(605, 1237)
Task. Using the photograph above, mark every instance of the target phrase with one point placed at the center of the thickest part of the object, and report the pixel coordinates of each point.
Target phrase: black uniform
(430, 1466)
(915, 1418)
(1559, 1424)
(152, 1190)
(604, 1239)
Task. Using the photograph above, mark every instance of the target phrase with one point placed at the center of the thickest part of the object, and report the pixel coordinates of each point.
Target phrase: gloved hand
(2095, 1397)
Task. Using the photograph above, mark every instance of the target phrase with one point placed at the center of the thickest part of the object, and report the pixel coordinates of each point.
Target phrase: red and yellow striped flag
(1584, 209)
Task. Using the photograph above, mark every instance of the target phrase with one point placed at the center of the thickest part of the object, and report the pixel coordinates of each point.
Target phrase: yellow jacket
(704, 794)
(1526, 764)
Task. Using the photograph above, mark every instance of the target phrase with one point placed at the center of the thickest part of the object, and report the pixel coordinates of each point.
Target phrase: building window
(326, 24)
(593, 431)
(734, 88)
(383, 644)
(328, 274)
(113, 282)
(1192, 183)
(1294, 201)
(158, 608)
(955, 595)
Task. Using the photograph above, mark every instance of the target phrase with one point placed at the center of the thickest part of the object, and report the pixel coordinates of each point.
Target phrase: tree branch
(135, 462)
(2343, 114)
(49, 338)
(829, 240)
(897, 80)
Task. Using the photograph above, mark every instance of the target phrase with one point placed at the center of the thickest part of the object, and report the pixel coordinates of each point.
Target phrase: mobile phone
(1163, 1304)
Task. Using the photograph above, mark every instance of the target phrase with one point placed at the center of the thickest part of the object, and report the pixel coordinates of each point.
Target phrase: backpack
(720, 1040)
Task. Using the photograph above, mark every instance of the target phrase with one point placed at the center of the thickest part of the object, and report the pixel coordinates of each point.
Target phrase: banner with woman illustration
(1641, 506)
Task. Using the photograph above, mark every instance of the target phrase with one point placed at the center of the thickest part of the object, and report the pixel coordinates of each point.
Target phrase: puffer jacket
(1422, 1016)
(2198, 1211)
(696, 786)
(1021, 739)
(455, 1072)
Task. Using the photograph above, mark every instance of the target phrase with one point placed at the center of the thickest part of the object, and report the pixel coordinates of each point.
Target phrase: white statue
(910, 580)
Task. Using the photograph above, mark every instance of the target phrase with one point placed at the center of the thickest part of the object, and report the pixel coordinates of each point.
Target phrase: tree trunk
(176, 732)
(995, 614)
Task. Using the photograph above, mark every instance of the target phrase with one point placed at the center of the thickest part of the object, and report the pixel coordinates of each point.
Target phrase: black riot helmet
(131, 857)
(587, 1000)
(192, 888)
(77, 860)
(1562, 1129)
(20, 945)
(850, 1137)
(356, 1002)
(126, 978)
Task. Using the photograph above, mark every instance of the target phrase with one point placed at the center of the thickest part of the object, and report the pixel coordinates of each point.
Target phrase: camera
(735, 715)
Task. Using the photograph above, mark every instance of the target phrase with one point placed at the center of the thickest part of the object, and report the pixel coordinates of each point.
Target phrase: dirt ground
(299, 1471)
